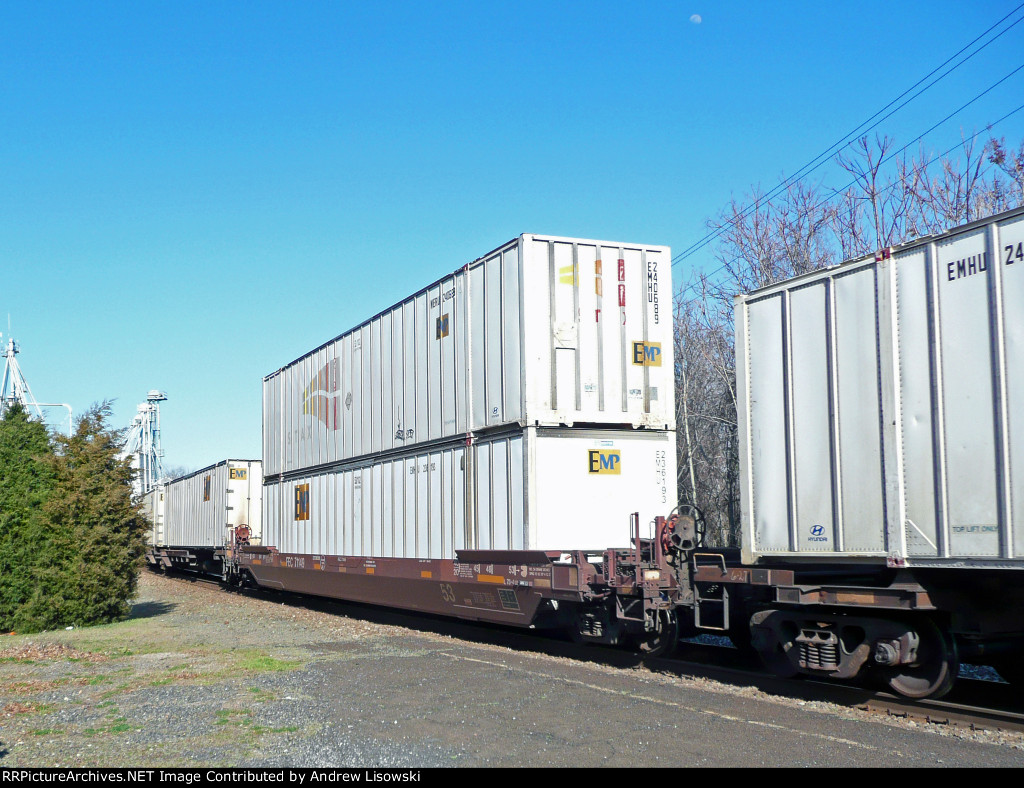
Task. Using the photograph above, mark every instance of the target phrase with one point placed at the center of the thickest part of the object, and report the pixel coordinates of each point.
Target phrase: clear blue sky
(194, 194)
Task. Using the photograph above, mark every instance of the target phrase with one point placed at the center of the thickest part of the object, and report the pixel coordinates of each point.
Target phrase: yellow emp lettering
(301, 501)
(606, 462)
(647, 354)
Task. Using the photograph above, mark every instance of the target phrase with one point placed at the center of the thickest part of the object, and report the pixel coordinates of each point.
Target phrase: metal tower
(143, 444)
(14, 388)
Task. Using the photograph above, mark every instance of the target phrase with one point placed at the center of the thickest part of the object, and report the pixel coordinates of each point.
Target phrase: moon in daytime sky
(695, 19)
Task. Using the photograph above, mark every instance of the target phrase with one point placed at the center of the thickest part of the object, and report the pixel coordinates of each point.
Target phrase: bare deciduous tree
(1011, 164)
(877, 199)
(957, 194)
(706, 413)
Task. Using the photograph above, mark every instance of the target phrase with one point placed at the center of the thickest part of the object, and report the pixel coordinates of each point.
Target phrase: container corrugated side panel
(195, 509)
(199, 508)
(1010, 251)
(280, 422)
(493, 306)
(277, 512)
(766, 526)
(813, 437)
(271, 425)
(967, 393)
(810, 416)
(397, 507)
(955, 384)
(175, 512)
(214, 512)
(396, 381)
(255, 495)
(931, 483)
(401, 379)
(860, 429)
(921, 529)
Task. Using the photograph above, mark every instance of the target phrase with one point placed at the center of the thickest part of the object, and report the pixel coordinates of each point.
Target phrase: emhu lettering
(967, 266)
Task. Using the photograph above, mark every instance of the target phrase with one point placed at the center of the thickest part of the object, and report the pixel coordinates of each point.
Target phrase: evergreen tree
(26, 479)
(92, 533)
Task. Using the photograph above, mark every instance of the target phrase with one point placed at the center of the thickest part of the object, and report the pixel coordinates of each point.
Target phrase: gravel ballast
(202, 677)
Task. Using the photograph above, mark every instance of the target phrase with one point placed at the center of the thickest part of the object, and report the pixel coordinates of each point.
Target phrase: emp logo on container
(442, 326)
(818, 534)
(301, 501)
(647, 354)
(236, 473)
(604, 462)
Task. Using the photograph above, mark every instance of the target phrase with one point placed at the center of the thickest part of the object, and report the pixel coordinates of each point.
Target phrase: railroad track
(944, 712)
(972, 705)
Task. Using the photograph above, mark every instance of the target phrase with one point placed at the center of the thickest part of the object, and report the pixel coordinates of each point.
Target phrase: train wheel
(662, 640)
(936, 669)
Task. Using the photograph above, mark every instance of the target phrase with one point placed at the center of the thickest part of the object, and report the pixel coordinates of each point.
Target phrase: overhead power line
(818, 160)
(934, 158)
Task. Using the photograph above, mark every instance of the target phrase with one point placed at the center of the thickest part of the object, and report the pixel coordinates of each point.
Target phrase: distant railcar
(197, 517)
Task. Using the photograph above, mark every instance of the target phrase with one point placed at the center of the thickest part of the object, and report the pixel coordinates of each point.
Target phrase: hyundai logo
(817, 530)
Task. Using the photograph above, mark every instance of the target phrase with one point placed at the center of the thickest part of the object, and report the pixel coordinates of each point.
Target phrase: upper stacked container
(542, 331)
(523, 402)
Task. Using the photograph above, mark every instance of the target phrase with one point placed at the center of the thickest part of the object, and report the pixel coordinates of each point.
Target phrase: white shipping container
(153, 508)
(201, 509)
(530, 489)
(541, 331)
(882, 405)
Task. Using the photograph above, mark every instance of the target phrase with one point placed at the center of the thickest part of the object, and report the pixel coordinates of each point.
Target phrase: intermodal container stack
(523, 402)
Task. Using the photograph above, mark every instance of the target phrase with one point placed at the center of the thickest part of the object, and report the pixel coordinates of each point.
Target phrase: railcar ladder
(713, 595)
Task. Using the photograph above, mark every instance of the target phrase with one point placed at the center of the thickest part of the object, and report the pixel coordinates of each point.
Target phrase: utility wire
(818, 160)
(711, 236)
(839, 192)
